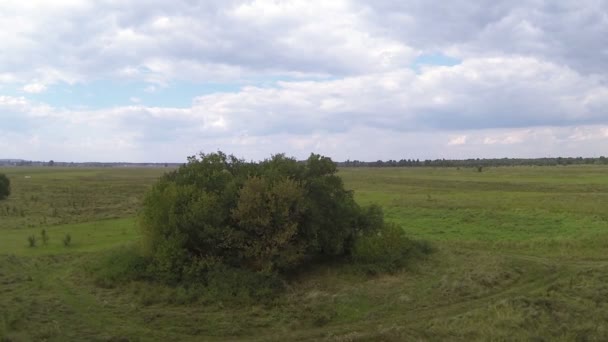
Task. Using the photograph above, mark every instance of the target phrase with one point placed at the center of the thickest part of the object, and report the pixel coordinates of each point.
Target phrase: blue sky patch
(434, 59)
(107, 94)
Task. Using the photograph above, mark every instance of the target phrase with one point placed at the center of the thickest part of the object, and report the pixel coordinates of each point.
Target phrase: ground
(520, 254)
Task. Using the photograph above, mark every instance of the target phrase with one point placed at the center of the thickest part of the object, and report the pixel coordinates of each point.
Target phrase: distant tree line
(473, 162)
(477, 162)
(52, 163)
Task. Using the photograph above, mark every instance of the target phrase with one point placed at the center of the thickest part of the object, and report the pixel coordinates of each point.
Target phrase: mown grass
(520, 255)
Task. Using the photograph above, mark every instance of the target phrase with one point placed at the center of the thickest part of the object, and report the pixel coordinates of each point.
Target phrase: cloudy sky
(156, 80)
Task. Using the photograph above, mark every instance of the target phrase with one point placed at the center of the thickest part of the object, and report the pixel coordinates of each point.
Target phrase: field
(520, 254)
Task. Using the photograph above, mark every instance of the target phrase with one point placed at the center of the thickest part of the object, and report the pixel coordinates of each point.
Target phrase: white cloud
(352, 117)
(563, 32)
(215, 40)
(479, 93)
(459, 140)
(532, 80)
(34, 88)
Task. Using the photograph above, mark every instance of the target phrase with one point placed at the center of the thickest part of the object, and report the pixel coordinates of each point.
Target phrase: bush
(67, 240)
(44, 236)
(224, 222)
(227, 283)
(386, 250)
(5, 186)
(118, 267)
(265, 217)
(31, 240)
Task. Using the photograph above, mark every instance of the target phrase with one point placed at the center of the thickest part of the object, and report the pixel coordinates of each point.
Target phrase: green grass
(86, 237)
(500, 205)
(49, 196)
(520, 255)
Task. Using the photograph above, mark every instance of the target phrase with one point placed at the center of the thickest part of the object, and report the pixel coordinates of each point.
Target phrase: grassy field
(520, 255)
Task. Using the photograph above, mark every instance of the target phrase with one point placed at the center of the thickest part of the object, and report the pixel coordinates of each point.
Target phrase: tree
(270, 214)
(267, 217)
(5, 186)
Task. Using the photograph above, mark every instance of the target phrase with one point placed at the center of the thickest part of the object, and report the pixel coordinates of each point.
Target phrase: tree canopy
(270, 216)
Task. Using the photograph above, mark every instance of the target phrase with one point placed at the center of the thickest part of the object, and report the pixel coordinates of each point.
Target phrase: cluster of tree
(478, 162)
(263, 218)
(5, 186)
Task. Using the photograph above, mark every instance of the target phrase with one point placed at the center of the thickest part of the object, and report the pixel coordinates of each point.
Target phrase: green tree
(5, 186)
(270, 214)
(264, 217)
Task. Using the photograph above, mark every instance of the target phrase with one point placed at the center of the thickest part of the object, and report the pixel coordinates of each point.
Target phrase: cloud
(471, 107)
(477, 94)
(459, 140)
(34, 88)
(573, 34)
(217, 40)
(230, 40)
(522, 78)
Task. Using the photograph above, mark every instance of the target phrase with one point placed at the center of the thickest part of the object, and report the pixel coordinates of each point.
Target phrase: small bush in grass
(227, 283)
(120, 266)
(221, 282)
(44, 237)
(386, 250)
(67, 240)
(31, 240)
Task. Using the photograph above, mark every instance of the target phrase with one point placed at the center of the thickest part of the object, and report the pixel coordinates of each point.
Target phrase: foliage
(31, 240)
(67, 240)
(44, 236)
(120, 266)
(386, 250)
(5, 186)
(264, 217)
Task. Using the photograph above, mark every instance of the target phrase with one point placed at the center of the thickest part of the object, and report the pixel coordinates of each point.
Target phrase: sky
(157, 81)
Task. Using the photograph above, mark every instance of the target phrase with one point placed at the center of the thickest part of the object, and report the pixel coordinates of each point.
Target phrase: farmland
(519, 253)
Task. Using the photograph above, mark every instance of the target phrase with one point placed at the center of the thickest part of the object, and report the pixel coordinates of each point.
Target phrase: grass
(520, 255)
(46, 196)
(86, 237)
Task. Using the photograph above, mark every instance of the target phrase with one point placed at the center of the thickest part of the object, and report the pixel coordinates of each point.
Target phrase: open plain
(519, 253)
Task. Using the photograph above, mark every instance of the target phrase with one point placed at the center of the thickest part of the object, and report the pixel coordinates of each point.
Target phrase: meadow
(519, 254)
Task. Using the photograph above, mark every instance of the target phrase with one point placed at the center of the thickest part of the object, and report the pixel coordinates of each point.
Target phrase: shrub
(265, 217)
(227, 283)
(5, 186)
(44, 236)
(236, 226)
(120, 266)
(67, 240)
(386, 250)
(31, 240)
